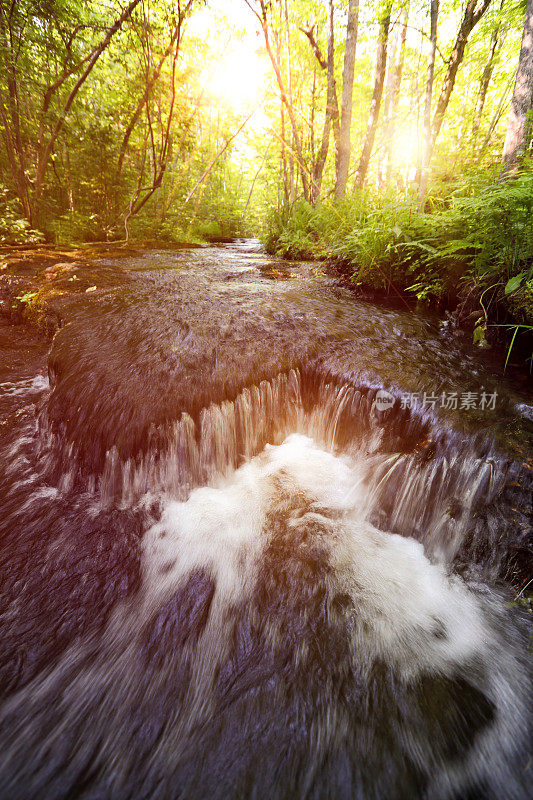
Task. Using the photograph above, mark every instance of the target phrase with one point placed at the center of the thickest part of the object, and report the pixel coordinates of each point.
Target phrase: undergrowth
(471, 250)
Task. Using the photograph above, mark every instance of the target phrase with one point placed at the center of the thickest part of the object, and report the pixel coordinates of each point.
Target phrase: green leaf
(422, 246)
(26, 298)
(479, 334)
(459, 244)
(513, 283)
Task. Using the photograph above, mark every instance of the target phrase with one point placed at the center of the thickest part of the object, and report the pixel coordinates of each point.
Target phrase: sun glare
(406, 151)
(238, 79)
(406, 147)
(236, 70)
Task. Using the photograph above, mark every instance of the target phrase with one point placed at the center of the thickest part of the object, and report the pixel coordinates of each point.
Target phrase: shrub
(480, 238)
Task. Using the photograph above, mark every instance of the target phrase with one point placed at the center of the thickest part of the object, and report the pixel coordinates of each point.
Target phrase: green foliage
(112, 151)
(302, 232)
(521, 299)
(77, 227)
(110, 148)
(499, 227)
(14, 228)
(26, 298)
(482, 240)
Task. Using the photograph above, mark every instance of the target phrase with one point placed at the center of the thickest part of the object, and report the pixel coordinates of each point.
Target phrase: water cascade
(274, 587)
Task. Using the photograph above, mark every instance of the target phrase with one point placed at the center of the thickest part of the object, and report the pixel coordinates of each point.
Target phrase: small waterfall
(229, 570)
(189, 453)
(422, 478)
(280, 642)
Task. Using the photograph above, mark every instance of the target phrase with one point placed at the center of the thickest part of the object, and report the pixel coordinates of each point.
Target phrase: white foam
(404, 611)
(26, 386)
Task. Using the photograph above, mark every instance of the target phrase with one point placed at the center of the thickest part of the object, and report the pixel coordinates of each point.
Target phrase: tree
(261, 14)
(426, 151)
(158, 157)
(379, 79)
(152, 76)
(392, 94)
(347, 94)
(486, 75)
(331, 116)
(14, 18)
(471, 17)
(518, 126)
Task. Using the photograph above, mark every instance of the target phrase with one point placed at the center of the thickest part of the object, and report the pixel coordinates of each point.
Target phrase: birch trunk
(518, 127)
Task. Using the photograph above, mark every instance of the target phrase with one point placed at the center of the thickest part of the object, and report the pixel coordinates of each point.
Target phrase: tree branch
(44, 156)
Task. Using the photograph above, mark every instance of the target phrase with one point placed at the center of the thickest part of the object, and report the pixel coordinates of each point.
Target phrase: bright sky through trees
(236, 72)
(122, 119)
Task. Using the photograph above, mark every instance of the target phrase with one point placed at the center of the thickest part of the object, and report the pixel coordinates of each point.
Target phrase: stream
(259, 539)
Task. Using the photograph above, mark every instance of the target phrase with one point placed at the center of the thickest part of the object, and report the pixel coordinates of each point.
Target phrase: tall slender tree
(288, 73)
(519, 126)
(426, 149)
(392, 94)
(331, 116)
(152, 77)
(159, 157)
(260, 9)
(375, 104)
(343, 164)
(484, 81)
(473, 12)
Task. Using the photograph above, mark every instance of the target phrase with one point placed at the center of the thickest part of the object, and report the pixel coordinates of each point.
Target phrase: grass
(471, 250)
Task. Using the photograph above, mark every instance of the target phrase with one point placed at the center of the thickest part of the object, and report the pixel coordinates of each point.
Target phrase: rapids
(229, 570)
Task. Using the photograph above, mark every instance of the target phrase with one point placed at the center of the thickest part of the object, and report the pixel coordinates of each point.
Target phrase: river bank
(468, 255)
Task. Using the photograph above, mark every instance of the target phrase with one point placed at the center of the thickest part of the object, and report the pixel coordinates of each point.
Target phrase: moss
(33, 308)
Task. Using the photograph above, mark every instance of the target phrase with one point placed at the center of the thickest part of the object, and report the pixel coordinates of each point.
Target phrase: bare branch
(310, 33)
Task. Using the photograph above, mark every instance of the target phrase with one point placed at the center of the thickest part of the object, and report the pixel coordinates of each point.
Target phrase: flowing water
(240, 558)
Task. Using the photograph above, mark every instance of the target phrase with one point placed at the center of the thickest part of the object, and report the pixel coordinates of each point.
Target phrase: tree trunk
(392, 96)
(426, 150)
(495, 119)
(332, 110)
(485, 80)
(263, 20)
(284, 157)
(260, 167)
(312, 112)
(287, 38)
(331, 119)
(518, 134)
(470, 19)
(324, 65)
(283, 141)
(373, 115)
(11, 127)
(343, 164)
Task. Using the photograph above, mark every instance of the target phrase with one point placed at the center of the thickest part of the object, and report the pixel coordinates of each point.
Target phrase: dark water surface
(233, 567)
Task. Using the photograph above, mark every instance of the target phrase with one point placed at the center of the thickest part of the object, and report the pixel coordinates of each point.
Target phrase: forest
(266, 407)
(390, 139)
